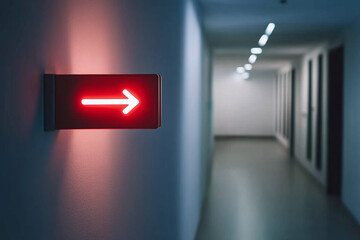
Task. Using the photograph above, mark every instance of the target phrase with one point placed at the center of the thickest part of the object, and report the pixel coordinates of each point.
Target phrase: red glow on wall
(106, 101)
(86, 37)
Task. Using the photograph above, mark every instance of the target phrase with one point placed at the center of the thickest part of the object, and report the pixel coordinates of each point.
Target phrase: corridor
(180, 120)
(257, 192)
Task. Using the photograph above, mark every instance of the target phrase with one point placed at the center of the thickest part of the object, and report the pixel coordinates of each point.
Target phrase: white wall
(243, 107)
(351, 134)
(351, 144)
(283, 105)
(301, 110)
(194, 165)
(99, 184)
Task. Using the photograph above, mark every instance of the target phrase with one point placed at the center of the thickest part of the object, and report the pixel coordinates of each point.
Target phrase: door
(335, 118)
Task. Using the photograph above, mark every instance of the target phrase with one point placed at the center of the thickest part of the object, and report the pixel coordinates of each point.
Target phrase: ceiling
(300, 24)
(228, 62)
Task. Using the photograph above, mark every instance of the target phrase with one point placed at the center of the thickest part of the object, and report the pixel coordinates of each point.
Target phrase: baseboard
(244, 136)
(282, 140)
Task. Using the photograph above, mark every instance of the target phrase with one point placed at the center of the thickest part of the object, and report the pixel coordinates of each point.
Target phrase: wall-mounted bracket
(49, 102)
(102, 101)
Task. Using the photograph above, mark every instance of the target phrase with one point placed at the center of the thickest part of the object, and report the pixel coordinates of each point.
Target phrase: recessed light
(252, 58)
(248, 67)
(270, 28)
(245, 75)
(256, 50)
(263, 40)
(240, 69)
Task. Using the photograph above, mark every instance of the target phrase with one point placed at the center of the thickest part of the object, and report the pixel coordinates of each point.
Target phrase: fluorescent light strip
(252, 58)
(248, 67)
(256, 50)
(245, 75)
(240, 69)
(263, 40)
(270, 28)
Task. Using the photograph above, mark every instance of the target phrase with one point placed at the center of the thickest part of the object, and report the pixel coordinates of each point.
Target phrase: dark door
(292, 117)
(335, 118)
(309, 135)
(319, 121)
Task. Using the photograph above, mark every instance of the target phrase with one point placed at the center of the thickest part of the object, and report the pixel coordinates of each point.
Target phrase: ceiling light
(252, 58)
(256, 50)
(248, 67)
(240, 69)
(270, 28)
(245, 75)
(263, 40)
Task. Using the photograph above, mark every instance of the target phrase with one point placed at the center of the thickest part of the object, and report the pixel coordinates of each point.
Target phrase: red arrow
(131, 101)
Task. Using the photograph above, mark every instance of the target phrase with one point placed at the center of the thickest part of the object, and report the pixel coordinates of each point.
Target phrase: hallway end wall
(242, 107)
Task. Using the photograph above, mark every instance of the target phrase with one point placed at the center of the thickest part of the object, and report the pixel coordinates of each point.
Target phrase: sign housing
(131, 101)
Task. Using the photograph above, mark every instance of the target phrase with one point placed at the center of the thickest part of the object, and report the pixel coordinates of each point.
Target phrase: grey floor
(258, 193)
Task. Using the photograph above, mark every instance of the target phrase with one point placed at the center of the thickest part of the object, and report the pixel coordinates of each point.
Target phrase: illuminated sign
(130, 101)
(102, 101)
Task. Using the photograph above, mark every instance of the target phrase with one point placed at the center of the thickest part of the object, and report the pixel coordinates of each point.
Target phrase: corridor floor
(258, 193)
